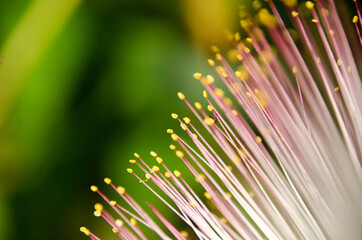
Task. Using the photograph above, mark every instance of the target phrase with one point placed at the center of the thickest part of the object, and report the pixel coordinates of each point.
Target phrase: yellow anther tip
(209, 121)
(107, 180)
(184, 234)
(179, 154)
(136, 155)
(132, 161)
(198, 105)
(159, 160)
(167, 174)
(187, 120)
(85, 230)
(215, 49)
(112, 202)
(355, 19)
(172, 147)
(174, 137)
(130, 170)
(197, 76)
(153, 154)
(169, 131)
(210, 108)
(98, 207)
(177, 173)
(121, 190)
(181, 95)
(295, 14)
(133, 221)
(211, 62)
(209, 79)
(174, 115)
(94, 188)
(207, 195)
(309, 4)
(204, 93)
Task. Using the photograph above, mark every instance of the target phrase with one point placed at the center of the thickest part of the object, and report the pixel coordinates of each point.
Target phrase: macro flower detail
(278, 147)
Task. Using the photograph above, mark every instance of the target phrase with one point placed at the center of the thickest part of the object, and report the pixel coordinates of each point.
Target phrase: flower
(287, 162)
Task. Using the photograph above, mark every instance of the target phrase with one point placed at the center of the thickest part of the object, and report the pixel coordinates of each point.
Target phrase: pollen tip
(180, 154)
(204, 93)
(198, 105)
(172, 147)
(136, 155)
(187, 120)
(85, 230)
(107, 180)
(295, 13)
(153, 154)
(130, 170)
(181, 96)
(159, 160)
(197, 76)
(132, 161)
(174, 137)
(309, 5)
(211, 62)
(355, 19)
(174, 115)
(112, 202)
(169, 131)
(121, 190)
(94, 188)
(215, 49)
(177, 173)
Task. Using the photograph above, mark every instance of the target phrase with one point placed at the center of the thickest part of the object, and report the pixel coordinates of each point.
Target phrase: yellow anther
(318, 60)
(258, 139)
(85, 230)
(331, 31)
(245, 24)
(266, 18)
(228, 101)
(148, 176)
(219, 92)
(251, 194)
(294, 69)
(209, 79)
(309, 4)
(167, 174)
(228, 195)
(132, 161)
(223, 220)
(133, 221)
(295, 14)
(237, 37)
(159, 160)
(172, 147)
(107, 180)
(174, 115)
(121, 190)
(174, 137)
(257, 4)
(198, 105)
(210, 108)
(183, 126)
(224, 74)
(94, 188)
(239, 57)
(97, 213)
(349, 68)
(185, 234)
(229, 168)
(112, 202)
(204, 93)
(98, 207)
(238, 74)
(209, 121)
(262, 99)
(246, 50)
(177, 173)
(355, 19)
(336, 89)
(130, 170)
(192, 204)
(236, 159)
(119, 222)
(249, 40)
(211, 62)
(207, 195)
(235, 113)
(290, 3)
(218, 56)
(248, 94)
(339, 62)
(155, 169)
(314, 20)
(195, 135)
(197, 76)
(153, 154)
(215, 49)
(169, 131)
(220, 69)
(181, 95)
(180, 154)
(136, 155)
(187, 120)
(200, 178)
(114, 230)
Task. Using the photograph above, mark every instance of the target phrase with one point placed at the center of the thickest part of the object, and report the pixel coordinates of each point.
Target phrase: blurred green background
(83, 85)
